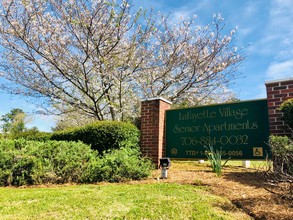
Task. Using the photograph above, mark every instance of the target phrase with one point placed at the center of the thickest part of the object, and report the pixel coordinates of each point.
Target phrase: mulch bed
(248, 189)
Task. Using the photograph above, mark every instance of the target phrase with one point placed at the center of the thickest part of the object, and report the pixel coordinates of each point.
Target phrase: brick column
(277, 93)
(152, 128)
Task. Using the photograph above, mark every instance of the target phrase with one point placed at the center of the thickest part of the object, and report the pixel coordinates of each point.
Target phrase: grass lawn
(115, 201)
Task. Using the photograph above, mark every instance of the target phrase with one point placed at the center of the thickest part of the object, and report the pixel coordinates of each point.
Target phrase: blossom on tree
(101, 59)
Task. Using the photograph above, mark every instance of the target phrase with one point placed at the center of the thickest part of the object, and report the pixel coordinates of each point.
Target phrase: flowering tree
(99, 58)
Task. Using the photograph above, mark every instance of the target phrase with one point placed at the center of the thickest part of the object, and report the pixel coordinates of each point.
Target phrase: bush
(287, 109)
(30, 162)
(282, 150)
(25, 162)
(102, 135)
(32, 135)
(118, 165)
(125, 164)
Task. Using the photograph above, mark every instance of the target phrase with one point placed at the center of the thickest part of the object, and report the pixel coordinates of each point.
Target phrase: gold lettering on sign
(235, 113)
(205, 114)
(247, 125)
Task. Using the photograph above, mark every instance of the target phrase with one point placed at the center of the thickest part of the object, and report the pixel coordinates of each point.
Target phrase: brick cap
(157, 98)
(279, 80)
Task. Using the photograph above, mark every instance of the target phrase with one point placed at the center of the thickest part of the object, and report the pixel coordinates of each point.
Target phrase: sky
(264, 31)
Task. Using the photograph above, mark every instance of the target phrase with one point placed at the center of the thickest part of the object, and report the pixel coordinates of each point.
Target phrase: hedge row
(33, 136)
(25, 162)
(101, 135)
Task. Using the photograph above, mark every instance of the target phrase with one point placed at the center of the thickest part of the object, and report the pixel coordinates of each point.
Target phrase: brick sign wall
(153, 119)
(152, 128)
(277, 93)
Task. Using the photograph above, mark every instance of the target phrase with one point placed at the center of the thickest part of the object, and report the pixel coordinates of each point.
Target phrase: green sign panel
(240, 130)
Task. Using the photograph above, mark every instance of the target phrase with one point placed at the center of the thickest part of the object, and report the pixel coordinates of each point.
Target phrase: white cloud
(250, 9)
(245, 31)
(183, 13)
(277, 36)
(280, 70)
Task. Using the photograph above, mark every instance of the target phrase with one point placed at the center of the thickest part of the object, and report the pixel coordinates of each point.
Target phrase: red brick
(280, 131)
(273, 84)
(276, 115)
(277, 104)
(152, 128)
(272, 99)
(271, 112)
(273, 93)
(280, 88)
(287, 91)
(277, 93)
(280, 95)
(272, 120)
(275, 123)
(287, 83)
(281, 128)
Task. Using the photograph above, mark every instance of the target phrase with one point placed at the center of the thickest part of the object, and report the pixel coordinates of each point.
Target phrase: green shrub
(102, 135)
(31, 162)
(280, 146)
(22, 170)
(282, 150)
(124, 164)
(118, 165)
(6, 162)
(25, 162)
(287, 109)
(33, 135)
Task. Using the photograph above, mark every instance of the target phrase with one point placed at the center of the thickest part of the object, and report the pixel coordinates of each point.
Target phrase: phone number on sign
(210, 141)
(223, 153)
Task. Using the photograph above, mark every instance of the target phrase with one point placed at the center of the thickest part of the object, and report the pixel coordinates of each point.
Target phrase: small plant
(266, 165)
(287, 109)
(282, 150)
(215, 158)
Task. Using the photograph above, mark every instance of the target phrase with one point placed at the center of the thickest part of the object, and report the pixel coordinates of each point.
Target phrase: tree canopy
(101, 59)
(14, 121)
